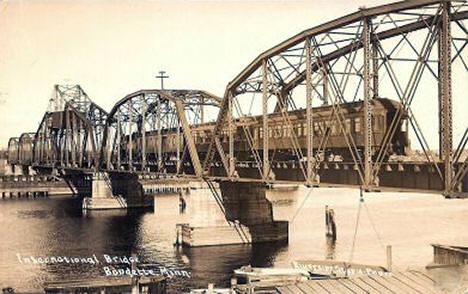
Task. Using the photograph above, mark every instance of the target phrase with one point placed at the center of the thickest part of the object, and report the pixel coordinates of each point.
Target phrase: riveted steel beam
(445, 96)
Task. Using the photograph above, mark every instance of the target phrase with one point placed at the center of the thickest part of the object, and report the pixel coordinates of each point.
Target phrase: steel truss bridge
(407, 51)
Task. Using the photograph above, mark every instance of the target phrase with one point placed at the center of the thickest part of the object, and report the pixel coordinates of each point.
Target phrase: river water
(56, 226)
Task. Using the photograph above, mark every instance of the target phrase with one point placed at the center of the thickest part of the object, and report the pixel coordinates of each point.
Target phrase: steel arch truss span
(25, 148)
(70, 133)
(12, 151)
(152, 131)
(343, 92)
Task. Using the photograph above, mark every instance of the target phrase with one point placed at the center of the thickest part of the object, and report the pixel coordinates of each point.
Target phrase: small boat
(264, 280)
(212, 291)
(249, 275)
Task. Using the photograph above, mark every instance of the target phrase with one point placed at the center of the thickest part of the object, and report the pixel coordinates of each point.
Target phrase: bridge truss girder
(12, 151)
(150, 130)
(356, 57)
(70, 133)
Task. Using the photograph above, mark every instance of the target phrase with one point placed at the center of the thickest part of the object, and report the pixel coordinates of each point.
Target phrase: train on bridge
(283, 128)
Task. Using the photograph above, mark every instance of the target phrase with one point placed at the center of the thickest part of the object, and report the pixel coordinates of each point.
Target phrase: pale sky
(112, 48)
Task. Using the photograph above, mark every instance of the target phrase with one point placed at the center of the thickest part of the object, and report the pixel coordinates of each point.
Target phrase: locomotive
(281, 129)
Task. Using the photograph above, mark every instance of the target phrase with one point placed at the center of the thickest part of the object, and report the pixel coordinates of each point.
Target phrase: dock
(449, 255)
(398, 282)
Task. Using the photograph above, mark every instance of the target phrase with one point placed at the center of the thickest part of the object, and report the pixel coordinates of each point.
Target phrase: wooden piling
(389, 258)
(330, 223)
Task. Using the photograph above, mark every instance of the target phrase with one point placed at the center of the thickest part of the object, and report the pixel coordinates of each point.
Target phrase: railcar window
(357, 124)
(377, 123)
(299, 130)
(279, 131)
(348, 125)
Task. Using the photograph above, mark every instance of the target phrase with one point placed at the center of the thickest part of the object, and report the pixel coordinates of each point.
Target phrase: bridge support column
(119, 191)
(248, 217)
(102, 196)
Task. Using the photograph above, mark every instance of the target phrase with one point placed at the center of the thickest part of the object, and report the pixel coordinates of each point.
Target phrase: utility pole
(162, 77)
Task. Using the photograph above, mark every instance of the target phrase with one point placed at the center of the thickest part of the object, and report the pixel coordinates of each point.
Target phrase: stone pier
(241, 215)
(116, 191)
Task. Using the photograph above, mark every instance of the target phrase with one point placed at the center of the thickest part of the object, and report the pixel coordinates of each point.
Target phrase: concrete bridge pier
(119, 191)
(237, 213)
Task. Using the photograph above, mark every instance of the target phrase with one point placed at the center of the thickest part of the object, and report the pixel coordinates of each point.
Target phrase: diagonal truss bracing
(334, 80)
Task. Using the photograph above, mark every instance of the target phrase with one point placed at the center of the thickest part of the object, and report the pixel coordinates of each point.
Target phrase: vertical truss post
(62, 144)
(44, 141)
(40, 148)
(375, 69)
(67, 136)
(43, 138)
(310, 123)
(143, 134)
(119, 138)
(266, 163)
(74, 135)
(178, 145)
(445, 96)
(202, 110)
(45, 153)
(44, 158)
(325, 82)
(231, 135)
(367, 103)
(159, 145)
(108, 152)
(51, 154)
(86, 147)
(34, 150)
(80, 144)
(130, 139)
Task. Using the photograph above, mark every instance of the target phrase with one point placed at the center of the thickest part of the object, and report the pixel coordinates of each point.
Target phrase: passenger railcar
(281, 131)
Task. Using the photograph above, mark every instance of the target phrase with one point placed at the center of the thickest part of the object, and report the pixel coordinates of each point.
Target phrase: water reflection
(104, 213)
(215, 264)
(57, 226)
(330, 248)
